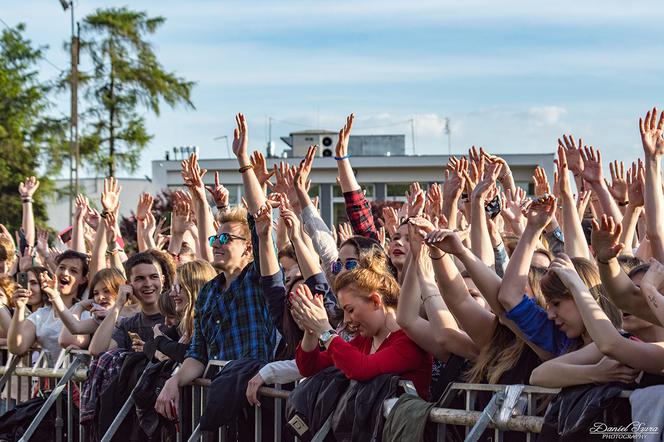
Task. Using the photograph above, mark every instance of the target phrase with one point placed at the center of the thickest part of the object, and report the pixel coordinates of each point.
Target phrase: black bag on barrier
(313, 401)
(15, 422)
(146, 394)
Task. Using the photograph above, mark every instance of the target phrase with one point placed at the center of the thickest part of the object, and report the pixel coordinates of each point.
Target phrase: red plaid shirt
(359, 214)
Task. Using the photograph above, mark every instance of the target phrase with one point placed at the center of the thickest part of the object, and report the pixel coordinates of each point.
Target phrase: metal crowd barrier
(66, 372)
(511, 407)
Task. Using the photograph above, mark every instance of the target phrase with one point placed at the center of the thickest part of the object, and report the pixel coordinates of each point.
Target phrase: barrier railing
(510, 408)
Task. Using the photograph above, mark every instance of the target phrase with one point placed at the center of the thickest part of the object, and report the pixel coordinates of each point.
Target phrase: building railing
(511, 407)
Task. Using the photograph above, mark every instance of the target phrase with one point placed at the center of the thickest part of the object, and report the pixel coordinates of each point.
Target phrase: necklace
(374, 348)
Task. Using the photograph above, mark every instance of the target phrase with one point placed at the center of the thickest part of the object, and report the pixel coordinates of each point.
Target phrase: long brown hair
(371, 276)
(191, 277)
(553, 288)
(505, 348)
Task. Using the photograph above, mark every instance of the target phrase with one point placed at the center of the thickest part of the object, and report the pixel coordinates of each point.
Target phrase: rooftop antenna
(228, 149)
(448, 132)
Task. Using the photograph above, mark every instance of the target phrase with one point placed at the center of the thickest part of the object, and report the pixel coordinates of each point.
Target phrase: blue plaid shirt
(233, 322)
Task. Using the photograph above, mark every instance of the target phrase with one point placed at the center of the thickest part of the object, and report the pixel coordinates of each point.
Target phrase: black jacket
(312, 402)
(227, 393)
(14, 422)
(576, 409)
(167, 344)
(359, 412)
(146, 395)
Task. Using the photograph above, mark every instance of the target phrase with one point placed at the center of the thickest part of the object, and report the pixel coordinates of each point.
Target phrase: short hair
(72, 254)
(7, 250)
(287, 252)
(237, 215)
(141, 258)
(167, 266)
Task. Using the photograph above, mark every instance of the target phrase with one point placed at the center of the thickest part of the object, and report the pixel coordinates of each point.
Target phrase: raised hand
(145, 201)
(80, 207)
(192, 176)
(573, 153)
(260, 168)
(240, 137)
(636, 182)
(416, 198)
(582, 202)
(125, 291)
(391, 218)
(562, 178)
(49, 286)
(345, 231)
(281, 177)
(487, 184)
(541, 182)
(110, 197)
(618, 187)
(435, 200)
(651, 133)
(511, 209)
(605, 239)
(563, 267)
(263, 219)
(592, 165)
(21, 297)
(455, 180)
(181, 217)
(112, 231)
(219, 193)
(307, 163)
(539, 213)
(505, 171)
(26, 259)
(42, 242)
(28, 187)
(341, 150)
(448, 241)
(92, 218)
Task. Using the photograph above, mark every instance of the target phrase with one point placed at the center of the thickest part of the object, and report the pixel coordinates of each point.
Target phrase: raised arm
(474, 319)
(575, 240)
(635, 186)
(192, 176)
(516, 275)
(78, 338)
(98, 256)
(653, 148)
(620, 288)
(592, 173)
(252, 187)
(452, 190)
(77, 233)
(646, 356)
(27, 191)
(483, 193)
(269, 262)
(307, 262)
(346, 175)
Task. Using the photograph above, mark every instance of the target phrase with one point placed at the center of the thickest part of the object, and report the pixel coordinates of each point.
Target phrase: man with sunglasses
(232, 320)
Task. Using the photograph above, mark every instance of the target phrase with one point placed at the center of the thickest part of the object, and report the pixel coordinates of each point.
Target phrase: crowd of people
(469, 280)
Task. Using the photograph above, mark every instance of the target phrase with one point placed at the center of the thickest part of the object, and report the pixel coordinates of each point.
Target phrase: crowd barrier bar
(511, 408)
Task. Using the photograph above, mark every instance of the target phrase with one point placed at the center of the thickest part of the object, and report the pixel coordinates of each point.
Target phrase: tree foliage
(30, 140)
(125, 75)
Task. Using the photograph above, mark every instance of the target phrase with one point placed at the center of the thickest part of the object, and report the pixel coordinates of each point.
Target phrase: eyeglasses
(224, 238)
(337, 265)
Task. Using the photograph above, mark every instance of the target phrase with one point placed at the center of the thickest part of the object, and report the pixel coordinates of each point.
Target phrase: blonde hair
(237, 215)
(9, 286)
(505, 348)
(370, 276)
(191, 277)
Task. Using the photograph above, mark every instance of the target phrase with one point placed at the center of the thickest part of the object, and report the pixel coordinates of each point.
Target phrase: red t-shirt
(398, 354)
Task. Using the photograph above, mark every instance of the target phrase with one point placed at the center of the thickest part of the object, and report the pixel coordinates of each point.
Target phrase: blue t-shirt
(533, 322)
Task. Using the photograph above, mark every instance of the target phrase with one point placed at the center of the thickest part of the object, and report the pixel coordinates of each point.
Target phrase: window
(528, 186)
(339, 204)
(397, 191)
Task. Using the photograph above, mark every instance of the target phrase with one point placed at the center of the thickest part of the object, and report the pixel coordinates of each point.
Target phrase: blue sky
(512, 76)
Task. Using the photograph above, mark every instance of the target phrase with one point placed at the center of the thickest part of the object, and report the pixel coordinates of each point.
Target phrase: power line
(43, 57)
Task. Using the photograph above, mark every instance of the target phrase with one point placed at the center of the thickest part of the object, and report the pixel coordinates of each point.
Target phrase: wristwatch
(326, 336)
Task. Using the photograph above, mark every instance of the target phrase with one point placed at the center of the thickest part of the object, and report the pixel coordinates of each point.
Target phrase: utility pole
(74, 151)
